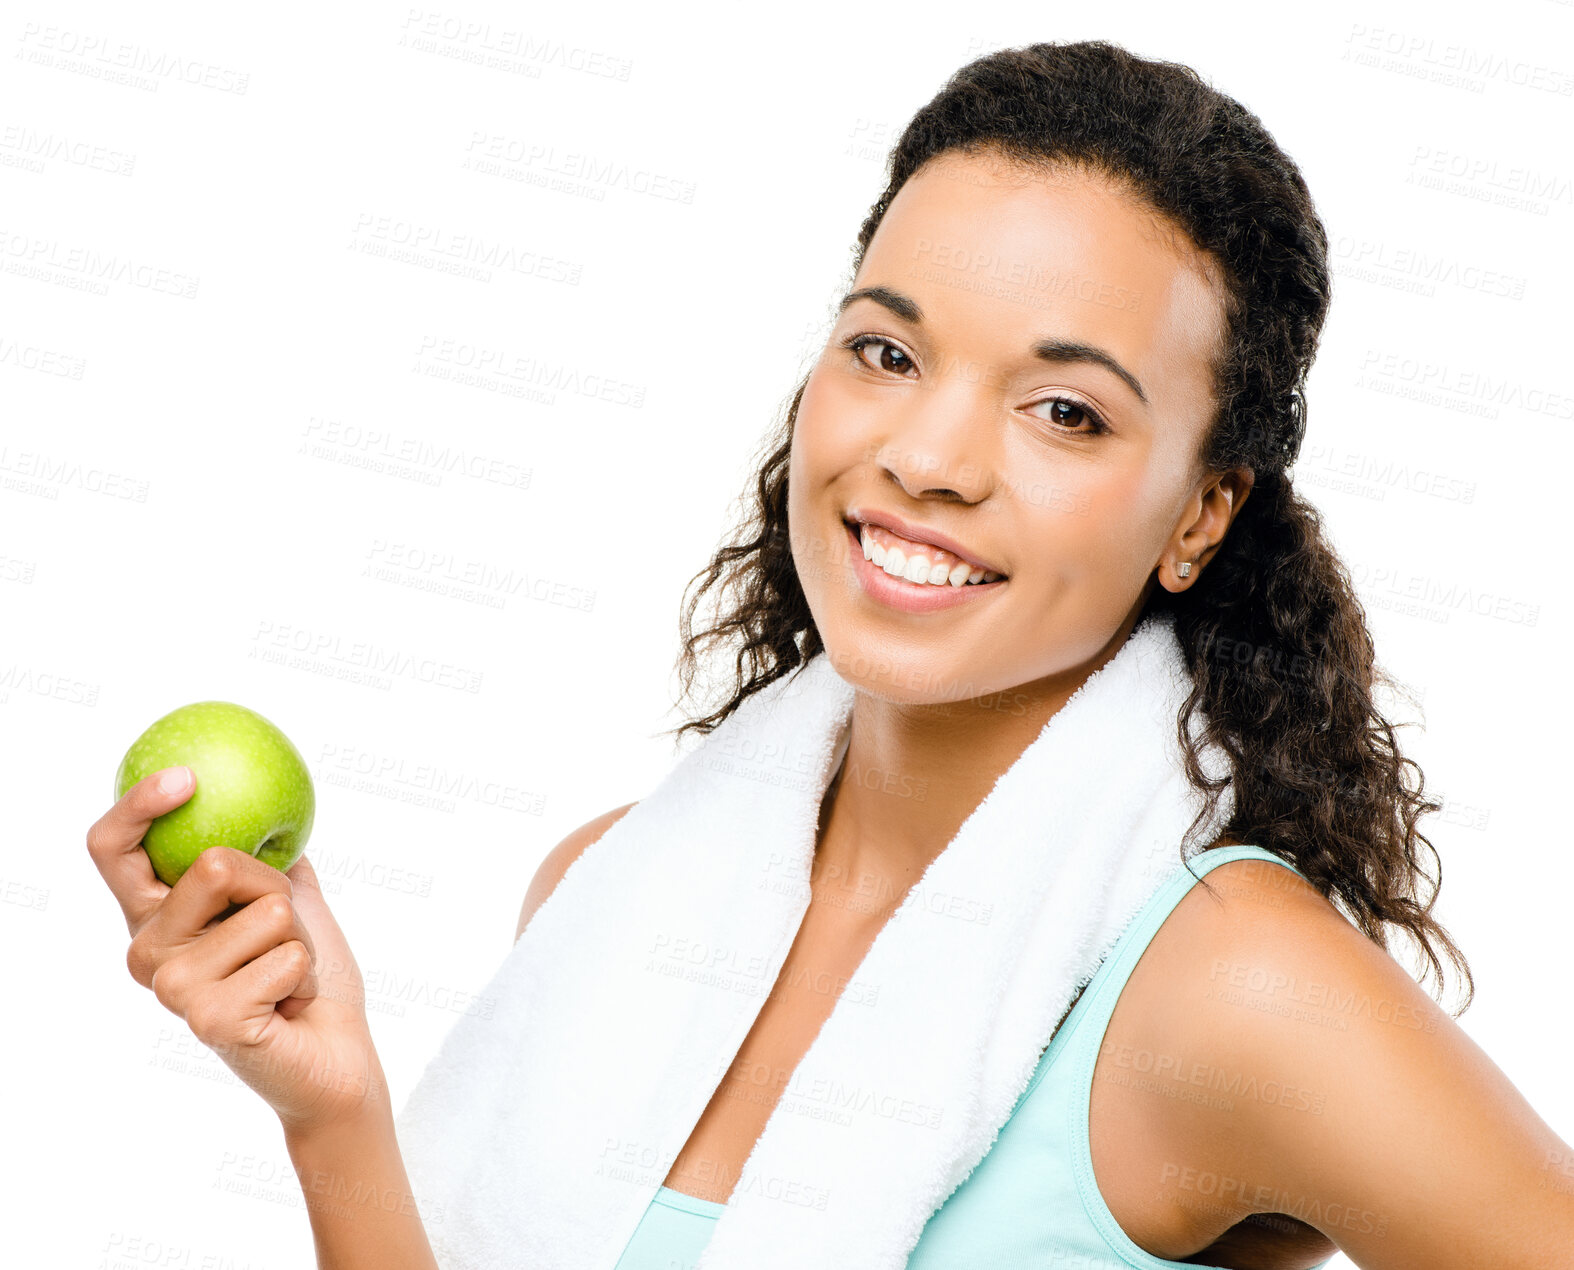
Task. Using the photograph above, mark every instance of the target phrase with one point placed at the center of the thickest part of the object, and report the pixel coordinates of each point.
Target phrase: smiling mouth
(920, 563)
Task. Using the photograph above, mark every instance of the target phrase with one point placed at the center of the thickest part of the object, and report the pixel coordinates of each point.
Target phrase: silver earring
(1183, 569)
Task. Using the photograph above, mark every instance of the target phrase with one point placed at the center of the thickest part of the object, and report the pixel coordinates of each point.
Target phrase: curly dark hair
(1273, 633)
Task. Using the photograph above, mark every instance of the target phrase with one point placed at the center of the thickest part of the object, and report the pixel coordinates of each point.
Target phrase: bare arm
(255, 963)
(357, 1191)
(353, 1177)
(363, 1213)
(1388, 1128)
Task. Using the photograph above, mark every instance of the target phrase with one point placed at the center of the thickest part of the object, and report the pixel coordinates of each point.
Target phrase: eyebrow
(1048, 349)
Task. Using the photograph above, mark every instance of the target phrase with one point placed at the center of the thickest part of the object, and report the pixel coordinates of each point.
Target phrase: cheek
(1095, 518)
(823, 411)
(828, 435)
(1129, 514)
(812, 465)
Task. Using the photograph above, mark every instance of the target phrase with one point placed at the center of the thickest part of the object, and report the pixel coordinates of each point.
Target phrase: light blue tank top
(1032, 1200)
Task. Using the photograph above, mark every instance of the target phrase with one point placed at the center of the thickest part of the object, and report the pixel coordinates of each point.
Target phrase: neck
(912, 774)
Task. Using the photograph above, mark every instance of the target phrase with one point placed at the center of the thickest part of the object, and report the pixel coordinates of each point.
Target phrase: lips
(856, 516)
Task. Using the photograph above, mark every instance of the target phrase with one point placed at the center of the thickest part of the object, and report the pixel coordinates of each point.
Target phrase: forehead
(995, 249)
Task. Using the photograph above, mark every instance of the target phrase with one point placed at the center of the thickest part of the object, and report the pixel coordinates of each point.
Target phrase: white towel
(538, 1134)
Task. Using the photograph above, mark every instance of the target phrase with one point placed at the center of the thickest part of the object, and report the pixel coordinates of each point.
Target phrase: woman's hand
(251, 959)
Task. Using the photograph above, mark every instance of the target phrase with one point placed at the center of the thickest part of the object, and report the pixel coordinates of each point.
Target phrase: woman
(1060, 399)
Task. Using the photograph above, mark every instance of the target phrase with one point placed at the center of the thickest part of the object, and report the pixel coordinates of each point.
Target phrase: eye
(901, 361)
(1095, 421)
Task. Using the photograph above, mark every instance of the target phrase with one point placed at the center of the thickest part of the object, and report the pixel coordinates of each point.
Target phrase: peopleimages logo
(302, 647)
(32, 150)
(477, 581)
(480, 366)
(415, 458)
(87, 268)
(504, 48)
(458, 251)
(122, 62)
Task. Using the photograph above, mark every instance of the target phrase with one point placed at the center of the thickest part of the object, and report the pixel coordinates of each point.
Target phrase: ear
(1207, 518)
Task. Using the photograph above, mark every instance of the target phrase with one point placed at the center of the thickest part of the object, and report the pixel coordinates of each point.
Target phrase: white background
(190, 495)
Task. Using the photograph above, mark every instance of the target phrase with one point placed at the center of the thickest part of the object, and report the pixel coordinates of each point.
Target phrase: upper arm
(1362, 1107)
(551, 869)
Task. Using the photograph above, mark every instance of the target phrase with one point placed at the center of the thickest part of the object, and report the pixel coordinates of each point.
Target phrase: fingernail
(175, 781)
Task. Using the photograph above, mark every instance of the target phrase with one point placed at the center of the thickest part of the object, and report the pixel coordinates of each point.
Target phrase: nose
(941, 445)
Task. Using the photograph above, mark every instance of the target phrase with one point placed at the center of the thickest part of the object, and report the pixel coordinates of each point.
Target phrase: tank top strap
(1087, 1039)
(1104, 988)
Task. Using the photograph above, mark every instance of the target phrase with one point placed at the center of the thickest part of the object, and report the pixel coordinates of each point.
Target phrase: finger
(338, 974)
(302, 872)
(115, 840)
(239, 1010)
(257, 929)
(219, 880)
(309, 900)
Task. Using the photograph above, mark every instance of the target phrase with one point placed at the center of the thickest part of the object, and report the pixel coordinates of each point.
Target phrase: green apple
(254, 792)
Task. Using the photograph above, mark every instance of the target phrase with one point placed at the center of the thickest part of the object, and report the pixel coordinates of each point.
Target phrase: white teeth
(918, 567)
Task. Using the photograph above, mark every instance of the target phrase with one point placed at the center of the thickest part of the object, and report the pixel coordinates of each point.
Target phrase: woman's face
(1071, 471)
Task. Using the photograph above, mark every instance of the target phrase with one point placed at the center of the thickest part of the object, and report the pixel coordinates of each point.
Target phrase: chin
(916, 676)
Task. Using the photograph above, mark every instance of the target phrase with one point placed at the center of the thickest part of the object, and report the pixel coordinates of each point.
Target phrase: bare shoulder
(1312, 1076)
(552, 868)
(1170, 1082)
